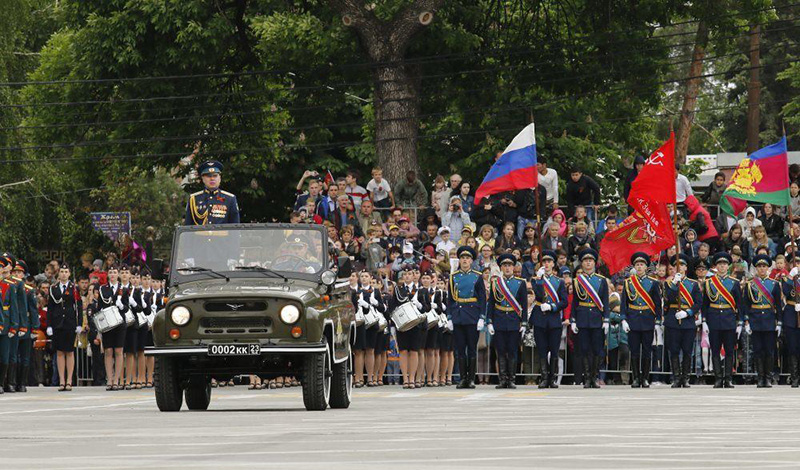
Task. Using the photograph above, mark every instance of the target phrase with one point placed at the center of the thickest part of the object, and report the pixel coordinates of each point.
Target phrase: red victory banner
(636, 234)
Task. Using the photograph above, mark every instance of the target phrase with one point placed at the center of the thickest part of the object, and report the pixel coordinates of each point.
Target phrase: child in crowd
(380, 191)
(445, 244)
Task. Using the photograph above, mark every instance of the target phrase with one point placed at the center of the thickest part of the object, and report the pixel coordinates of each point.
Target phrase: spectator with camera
(455, 218)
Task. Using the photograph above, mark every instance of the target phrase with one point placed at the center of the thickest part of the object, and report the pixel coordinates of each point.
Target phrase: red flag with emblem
(328, 178)
(636, 234)
(656, 181)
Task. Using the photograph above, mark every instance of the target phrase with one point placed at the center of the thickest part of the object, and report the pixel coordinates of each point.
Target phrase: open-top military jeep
(265, 299)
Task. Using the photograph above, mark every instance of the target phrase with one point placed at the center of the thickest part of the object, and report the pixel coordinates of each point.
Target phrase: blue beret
(549, 254)
(765, 259)
(640, 257)
(506, 258)
(588, 253)
(722, 256)
(465, 250)
(209, 167)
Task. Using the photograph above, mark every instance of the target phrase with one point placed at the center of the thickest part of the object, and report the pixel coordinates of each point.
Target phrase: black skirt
(410, 340)
(446, 341)
(64, 340)
(114, 338)
(381, 342)
(361, 338)
(432, 338)
(372, 336)
(141, 339)
(149, 341)
(131, 338)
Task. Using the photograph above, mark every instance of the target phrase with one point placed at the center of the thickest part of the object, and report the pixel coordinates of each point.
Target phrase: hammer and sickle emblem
(656, 159)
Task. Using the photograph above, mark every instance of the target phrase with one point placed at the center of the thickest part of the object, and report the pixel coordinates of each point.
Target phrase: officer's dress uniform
(680, 335)
(721, 315)
(5, 326)
(9, 340)
(589, 314)
(115, 338)
(551, 290)
(210, 207)
(64, 312)
(409, 340)
(465, 308)
(790, 319)
(506, 320)
(30, 319)
(760, 302)
(641, 308)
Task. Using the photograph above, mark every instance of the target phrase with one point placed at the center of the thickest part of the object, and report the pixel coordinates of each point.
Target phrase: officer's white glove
(625, 327)
(738, 332)
(120, 305)
(540, 272)
(681, 315)
(797, 308)
(363, 303)
(490, 328)
(386, 330)
(21, 333)
(605, 327)
(450, 325)
(778, 329)
(574, 327)
(393, 331)
(545, 307)
(522, 330)
(418, 304)
(11, 335)
(78, 329)
(794, 272)
(705, 327)
(153, 309)
(373, 301)
(698, 322)
(748, 330)
(678, 277)
(633, 271)
(132, 302)
(49, 331)
(481, 324)
(434, 306)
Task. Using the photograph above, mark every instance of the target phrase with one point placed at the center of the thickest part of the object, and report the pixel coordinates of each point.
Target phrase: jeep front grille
(236, 306)
(243, 325)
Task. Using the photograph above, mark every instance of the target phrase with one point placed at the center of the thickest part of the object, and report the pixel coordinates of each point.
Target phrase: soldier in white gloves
(789, 318)
(551, 296)
(682, 308)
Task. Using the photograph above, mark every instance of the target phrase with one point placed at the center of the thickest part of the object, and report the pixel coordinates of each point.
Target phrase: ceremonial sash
(723, 291)
(764, 291)
(685, 295)
(584, 282)
(637, 284)
(550, 290)
(501, 285)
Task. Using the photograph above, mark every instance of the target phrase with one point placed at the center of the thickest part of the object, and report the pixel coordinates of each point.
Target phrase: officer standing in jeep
(211, 205)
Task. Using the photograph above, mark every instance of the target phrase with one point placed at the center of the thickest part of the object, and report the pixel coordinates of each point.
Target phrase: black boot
(462, 372)
(760, 376)
(795, 365)
(675, 363)
(22, 378)
(511, 373)
(545, 379)
(596, 372)
(646, 373)
(8, 371)
(3, 370)
(502, 378)
(637, 381)
(686, 367)
(473, 368)
(587, 376)
(553, 372)
(728, 371)
(11, 378)
(767, 368)
(717, 364)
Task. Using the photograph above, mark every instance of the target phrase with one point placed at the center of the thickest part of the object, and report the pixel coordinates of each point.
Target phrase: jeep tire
(342, 383)
(198, 394)
(317, 372)
(169, 396)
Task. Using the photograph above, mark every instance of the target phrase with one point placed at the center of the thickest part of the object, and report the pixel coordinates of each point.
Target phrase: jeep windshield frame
(301, 250)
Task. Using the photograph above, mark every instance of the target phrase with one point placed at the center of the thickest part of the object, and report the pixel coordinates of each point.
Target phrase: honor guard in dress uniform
(466, 308)
(211, 205)
(589, 319)
(8, 350)
(551, 296)
(5, 320)
(761, 303)
(683, 299)
(790, 318)
(29, 321)
(641, 311)
(721, 319)
(64, 310)
(507, 318)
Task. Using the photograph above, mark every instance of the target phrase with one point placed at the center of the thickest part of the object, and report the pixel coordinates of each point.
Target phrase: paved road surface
(440, 428)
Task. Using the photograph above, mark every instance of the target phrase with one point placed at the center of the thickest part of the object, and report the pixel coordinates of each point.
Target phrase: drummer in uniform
(550, 293)
(721, 319)
(641, 312)
(466, 308)
(683, 300)
(211, 205)
(760, 303)
(507, 318)
(790, 317)
(590, 315)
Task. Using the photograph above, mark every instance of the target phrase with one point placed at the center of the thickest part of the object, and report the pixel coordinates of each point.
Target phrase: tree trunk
(690, 94)
(396, 121)
(754, 91)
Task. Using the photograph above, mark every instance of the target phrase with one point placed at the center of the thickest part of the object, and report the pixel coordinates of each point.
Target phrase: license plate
(234, 349)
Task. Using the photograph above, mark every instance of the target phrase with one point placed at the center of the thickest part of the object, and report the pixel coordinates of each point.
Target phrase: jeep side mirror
(345, 267)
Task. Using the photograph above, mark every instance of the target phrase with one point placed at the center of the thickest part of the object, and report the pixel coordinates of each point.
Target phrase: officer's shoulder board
(196, 194)
(227, 193)
(653, 278)
(518, 278)
(475, 272)
(600, 276)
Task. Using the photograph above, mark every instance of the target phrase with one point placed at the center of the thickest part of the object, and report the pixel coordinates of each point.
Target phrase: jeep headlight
(290, 314)
(180, 315)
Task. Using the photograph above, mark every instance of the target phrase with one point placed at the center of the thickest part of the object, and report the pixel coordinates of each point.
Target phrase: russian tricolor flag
(515, 169)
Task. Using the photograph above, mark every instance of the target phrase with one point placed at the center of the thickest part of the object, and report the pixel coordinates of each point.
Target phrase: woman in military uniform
(446, 359)
(368, 297)
(64, 319)
(112, 340)
(407, 341)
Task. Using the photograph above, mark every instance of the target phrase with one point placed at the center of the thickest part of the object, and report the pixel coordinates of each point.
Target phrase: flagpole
(790, 218)
(538, 212)
(675, 205)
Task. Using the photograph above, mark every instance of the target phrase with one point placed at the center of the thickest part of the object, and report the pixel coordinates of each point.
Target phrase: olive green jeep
(265, 299)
